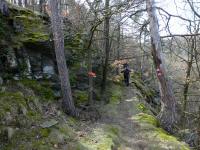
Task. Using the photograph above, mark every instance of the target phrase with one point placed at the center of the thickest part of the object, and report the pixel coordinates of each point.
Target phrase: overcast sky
(175, 7)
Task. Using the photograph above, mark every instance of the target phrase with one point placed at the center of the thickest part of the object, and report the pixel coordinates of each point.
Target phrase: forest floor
(126, 109)
(126, 127)
(125, 123)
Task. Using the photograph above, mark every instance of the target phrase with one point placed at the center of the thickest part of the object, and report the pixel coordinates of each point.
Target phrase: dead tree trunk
(56, 22)
(106, 46)
(168, 114)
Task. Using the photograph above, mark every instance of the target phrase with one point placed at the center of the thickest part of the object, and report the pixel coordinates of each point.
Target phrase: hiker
(126, 72)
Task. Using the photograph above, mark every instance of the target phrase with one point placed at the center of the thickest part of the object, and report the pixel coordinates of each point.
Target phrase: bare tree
(168, 114)
(193, 9)
(106, 45)
(56, 22)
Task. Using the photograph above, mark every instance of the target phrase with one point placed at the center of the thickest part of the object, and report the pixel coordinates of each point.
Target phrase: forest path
(125, 110)
(123, 126)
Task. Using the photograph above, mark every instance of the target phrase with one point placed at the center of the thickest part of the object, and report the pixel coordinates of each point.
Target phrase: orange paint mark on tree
(92, 74)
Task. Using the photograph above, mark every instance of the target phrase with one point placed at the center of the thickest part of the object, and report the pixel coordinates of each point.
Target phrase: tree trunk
(41, 3)
(168, 114)
(25, 3)
(91, 35)
(106, 46)
(188, 72)
(90, 93)
(56, 22)
(198, 129)
(20, 2)
(118, 47)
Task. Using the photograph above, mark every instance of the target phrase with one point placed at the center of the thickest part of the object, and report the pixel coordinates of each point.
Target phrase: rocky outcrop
(25, 44)
(4, 7)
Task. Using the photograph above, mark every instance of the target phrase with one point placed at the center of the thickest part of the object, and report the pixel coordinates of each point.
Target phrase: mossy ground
(80, 97)
(27, 122)
(42, 89)
(102, 137)
(149, 130)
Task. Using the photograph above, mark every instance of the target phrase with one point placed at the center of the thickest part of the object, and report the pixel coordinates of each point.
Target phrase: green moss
(150, 131)
(29, 139)
(72, 121)
(113, 130)
(15, 108)
(29, 28)
(66, 130)
(33, 28)
(34, 116)
(163, 135)
(145, 118)
(44, 91)
(102, 138)
(115, 94)
(11, 102)
(142, 107)
(44, 132)
(147, 92)
(80, 97)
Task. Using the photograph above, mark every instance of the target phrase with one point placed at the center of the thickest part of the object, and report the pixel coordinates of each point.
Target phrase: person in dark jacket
(126, 72)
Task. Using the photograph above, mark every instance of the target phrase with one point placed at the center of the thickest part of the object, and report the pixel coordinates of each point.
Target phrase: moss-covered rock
(156, 137)
(147, 92)
(102, 138)
(142, 107)
(41, 89)
(30, 27)
(146, 118)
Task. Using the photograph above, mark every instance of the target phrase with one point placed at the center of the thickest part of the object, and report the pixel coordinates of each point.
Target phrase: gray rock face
(48, 67)
(11, 132)
(48, 70)
(4, 7)
(1, 80)
(29, 63)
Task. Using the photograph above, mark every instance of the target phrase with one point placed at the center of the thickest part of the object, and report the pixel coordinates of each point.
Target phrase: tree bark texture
(188, 72)
(56, 22)
(118, 47)
(106, 46)
(168, 114)
(90, 93)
